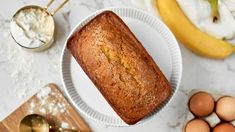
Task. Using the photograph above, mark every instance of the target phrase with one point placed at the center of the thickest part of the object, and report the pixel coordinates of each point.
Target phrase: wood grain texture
(3, 128)
(47, 108)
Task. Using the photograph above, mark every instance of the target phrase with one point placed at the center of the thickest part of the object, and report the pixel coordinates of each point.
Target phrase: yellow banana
(190, 35)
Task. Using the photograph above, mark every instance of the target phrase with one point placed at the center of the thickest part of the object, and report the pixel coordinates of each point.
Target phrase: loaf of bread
(120, 67)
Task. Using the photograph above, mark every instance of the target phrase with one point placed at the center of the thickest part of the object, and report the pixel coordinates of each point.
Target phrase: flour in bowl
(32, 27)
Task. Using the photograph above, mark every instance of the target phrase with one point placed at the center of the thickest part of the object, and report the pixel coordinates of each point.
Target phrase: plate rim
(128, 9)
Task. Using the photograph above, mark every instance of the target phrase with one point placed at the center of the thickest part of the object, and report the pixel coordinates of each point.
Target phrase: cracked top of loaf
(120, 67)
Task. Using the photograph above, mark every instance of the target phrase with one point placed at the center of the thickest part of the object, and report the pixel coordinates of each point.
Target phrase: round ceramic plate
(158, 41)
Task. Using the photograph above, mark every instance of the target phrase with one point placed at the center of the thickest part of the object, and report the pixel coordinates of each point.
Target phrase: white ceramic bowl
(158, 41)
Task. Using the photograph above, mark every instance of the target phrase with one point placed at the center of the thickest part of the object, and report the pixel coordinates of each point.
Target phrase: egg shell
(225, 108)
(224, 127)
(197, 125)
(201, 104)
(216, 95)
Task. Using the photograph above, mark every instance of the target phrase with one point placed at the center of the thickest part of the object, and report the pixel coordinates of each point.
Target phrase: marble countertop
(198, 72)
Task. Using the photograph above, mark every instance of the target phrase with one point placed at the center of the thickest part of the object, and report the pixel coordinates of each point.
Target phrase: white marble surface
(198, 72)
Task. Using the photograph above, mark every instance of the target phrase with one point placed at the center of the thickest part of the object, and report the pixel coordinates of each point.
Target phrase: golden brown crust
(120, 67)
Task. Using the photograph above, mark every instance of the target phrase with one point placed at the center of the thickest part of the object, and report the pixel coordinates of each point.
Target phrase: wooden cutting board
(50, 103)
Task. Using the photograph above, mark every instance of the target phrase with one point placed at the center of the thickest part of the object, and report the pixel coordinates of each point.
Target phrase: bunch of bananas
(199, 42)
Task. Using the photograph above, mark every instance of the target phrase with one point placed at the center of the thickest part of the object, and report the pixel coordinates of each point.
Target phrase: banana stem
(214, 10)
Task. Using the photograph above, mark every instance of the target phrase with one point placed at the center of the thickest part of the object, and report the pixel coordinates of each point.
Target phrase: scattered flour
(42, 110)
(20, 67)
(52, 107)
(43, 95)
(64, 124)
(32, 104)
(27, 69)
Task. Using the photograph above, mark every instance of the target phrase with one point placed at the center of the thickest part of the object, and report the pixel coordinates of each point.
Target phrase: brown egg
(224, 127)
(201, 104)
(197, 125)
(225, 108)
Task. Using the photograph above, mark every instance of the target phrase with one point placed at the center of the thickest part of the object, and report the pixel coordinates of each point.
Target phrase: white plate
(158, 41)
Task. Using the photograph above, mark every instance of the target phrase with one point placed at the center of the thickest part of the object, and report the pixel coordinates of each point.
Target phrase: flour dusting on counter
(25, 68)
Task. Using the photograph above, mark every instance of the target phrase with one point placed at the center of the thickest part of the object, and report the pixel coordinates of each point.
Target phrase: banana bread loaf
(120, 67)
